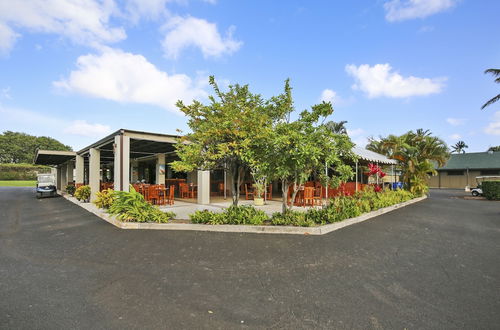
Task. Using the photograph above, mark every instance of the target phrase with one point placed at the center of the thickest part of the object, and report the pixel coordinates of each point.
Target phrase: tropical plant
(82, 193)
(337, 127)
(131, 206)
(104, 199)
(497, 148)
(70, 189)
(496, 75)
(459, 147)
(234, 215)
(491, 190)
(416, 153)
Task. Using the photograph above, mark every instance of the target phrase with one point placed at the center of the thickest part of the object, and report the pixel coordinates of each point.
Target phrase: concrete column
(64, 178)
(160, 169)
(79, 164)
(134, 175)
(94, 175)
(58, 178)
(69, 172)
(122, 163)
(204, 187)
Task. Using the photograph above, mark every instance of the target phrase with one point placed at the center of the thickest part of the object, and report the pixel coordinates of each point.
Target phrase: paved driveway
(434, 264)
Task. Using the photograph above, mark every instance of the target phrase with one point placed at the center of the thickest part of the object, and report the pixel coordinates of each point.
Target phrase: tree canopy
(416, 152)
(496, 75)
(17, 147)
(459, 147)
(496, 148)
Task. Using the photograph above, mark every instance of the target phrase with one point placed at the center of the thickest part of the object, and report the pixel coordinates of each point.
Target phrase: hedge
(21, 171)
(491, 190)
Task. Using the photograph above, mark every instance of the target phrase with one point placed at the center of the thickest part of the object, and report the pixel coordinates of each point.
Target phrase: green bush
(292, 218)
(234, 215)
(83, 193)
(21, 171)
(131, 206)
(104, 199)
(491, 190)
(70, 189)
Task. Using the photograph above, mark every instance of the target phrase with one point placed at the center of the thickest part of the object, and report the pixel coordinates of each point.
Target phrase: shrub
(291, 218)
(234, 215)
(21, 171)
(70, 189)
(82, 193)
(105, 198)
(131, 206)
(491, 190)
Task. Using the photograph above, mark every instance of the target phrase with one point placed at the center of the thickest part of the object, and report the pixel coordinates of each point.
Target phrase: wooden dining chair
(269, 192)
(318, 196)
(153, 194)
(308, 199)
(220, 188)
(184, 190)
(248, 193)
(171, 195)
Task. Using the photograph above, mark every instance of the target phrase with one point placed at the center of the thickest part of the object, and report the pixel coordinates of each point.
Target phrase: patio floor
(186, 206)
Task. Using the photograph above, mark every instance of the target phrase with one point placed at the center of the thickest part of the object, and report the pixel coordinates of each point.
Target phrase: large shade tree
(416, 152)
(221, 132)
(17, 147)
(496, 75)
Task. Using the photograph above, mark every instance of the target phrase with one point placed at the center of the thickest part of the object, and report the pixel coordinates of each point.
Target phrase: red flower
(382, 174)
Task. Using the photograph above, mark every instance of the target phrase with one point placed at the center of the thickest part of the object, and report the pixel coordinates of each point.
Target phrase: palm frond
(494, 72)
(490, 102)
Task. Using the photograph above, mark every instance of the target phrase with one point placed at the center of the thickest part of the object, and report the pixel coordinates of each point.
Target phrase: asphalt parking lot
(432, 265)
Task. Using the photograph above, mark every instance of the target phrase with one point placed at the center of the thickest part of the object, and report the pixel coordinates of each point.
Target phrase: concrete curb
(320, 230)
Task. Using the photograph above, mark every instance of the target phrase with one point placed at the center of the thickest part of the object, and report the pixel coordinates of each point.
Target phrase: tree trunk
(234, 184)
(284, 196)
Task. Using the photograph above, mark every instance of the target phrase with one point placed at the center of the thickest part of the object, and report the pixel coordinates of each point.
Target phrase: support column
(58, 177)
(69, 172)
(64, 178)
(160, 169)
(122, 163)
(94, 175)
(79, 169)
(134, 176)
(204, 187)
(356, 176)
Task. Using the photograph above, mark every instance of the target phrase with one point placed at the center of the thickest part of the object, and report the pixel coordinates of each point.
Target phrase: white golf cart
(46, 184)
(478, 191)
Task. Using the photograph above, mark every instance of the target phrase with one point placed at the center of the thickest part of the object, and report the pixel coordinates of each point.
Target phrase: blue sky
(77, 71)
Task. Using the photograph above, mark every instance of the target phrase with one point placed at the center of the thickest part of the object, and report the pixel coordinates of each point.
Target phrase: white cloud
(379, 80)
(455, 121)
(129, 78)
(327, 95)
(455, 137)
(400, 10)
(83, 22)
(5, 93)
(82, 128)
(190, 31)
(494, 127)
(149, 9)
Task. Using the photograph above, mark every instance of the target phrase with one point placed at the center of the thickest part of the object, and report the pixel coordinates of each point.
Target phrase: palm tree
(497, 148)
(459, 147)
(495, 73)
(337, 127)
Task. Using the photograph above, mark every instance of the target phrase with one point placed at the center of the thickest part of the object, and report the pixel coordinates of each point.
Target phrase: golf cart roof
(488, 177)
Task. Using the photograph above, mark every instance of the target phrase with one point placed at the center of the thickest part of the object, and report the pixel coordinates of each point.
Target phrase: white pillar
(64, 179)
(160, 169)
(69, 172)
(58, 177)
(134, 175)
(122, 163)
(94, 172)
(204, 187)
(79, 169)
(356, 176)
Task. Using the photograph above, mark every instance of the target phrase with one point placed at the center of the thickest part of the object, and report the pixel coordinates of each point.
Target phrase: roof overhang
(53, 157)
(374, 157)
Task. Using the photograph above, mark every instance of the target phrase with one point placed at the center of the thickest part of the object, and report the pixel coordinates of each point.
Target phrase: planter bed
(262, 229)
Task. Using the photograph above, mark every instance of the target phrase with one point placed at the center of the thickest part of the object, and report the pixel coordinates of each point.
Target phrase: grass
(18, 183)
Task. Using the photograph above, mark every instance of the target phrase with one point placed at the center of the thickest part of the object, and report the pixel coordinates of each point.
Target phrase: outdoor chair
(308, 199)
(170, 195)
(153, 194)
(249, 194)
(269, 192)
(183, 190)
(318, 196)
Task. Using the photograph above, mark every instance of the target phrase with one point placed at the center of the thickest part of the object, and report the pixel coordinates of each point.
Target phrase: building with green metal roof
(461, 170)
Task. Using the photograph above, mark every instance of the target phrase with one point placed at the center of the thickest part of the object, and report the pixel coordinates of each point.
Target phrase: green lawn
(15, 183)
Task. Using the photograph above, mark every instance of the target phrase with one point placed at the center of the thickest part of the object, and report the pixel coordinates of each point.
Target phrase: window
(490, 172)
(456, 172)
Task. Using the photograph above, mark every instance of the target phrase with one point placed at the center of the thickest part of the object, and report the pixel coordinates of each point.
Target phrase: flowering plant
(374, 169)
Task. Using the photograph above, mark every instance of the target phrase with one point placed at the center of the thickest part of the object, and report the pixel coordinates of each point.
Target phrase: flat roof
(53, 157)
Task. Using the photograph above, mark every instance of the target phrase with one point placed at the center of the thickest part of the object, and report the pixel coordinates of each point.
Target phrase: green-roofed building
(461, 170)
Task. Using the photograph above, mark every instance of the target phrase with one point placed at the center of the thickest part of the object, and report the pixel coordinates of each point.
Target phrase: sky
(79, 70)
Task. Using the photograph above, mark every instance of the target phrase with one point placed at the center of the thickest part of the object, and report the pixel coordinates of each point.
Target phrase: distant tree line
(17, 147)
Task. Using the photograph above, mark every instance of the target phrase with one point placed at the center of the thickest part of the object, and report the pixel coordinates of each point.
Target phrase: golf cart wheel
(475, 193)
(38, 195)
